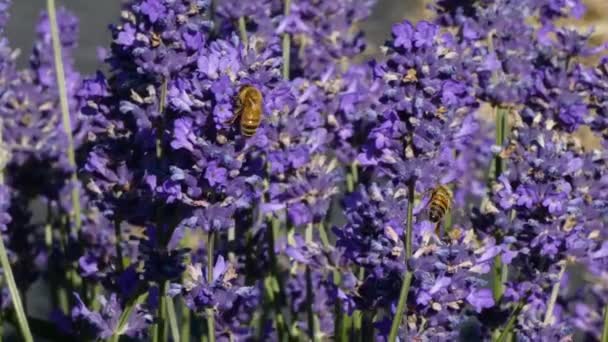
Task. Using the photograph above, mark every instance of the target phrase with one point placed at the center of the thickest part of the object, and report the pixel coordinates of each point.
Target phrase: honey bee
(155, 40)
(410, 76)
(439, 204)
(249, 104)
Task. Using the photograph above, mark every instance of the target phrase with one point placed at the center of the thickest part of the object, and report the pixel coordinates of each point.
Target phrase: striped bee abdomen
(250, 121)
(440, 203)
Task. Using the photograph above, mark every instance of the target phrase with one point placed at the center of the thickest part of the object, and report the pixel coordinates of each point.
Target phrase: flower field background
(294, 170)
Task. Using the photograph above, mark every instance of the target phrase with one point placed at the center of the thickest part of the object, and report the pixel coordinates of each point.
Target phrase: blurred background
(95, 16)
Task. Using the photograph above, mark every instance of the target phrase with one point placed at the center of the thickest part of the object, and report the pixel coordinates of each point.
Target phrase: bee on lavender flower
(249, 103)
(440, 204)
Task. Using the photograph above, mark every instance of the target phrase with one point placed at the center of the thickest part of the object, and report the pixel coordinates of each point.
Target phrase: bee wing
(238, 108)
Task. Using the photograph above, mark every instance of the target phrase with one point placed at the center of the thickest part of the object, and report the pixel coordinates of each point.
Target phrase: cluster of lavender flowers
(137, 197)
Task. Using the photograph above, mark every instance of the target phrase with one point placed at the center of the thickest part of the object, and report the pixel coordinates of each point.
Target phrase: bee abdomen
(441, 201)
(249, 127)
(437, 212)
(248, 131)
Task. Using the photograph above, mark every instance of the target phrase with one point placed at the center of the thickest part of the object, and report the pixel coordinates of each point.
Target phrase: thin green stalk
(350, 184)
(172, 320)
(161, 125)
(323, 235)
(286, 44)
(605, 328)
(159, 332)
(210, 264)
(124, 317)
(354, 170)
(553, 298)
(309, 292)
(405, 288)
(410, 217)
(407, 277)
(357, 323)
(499, 271)
(274, 286)
(352, 177)
(344, 328)
(185, 326)
(16, 299)
(65, 114)
(8, 271)
(509, 327)
(501, 127)
(96, 292)
(64, 301)
(497, 285)
(357, 319)
(243, 31)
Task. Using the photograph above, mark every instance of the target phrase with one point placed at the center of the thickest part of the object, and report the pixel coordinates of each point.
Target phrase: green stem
(185, 326)
(172, 320)
(309, 292)
(553, 298)
(499, 271)
(497, 286)
(65, 114)
(124, 317)
(286, 44)
(357, 323)
(410, 217)
(405, 288)
(160, 328)
(350, 184)
(407, 277)
(210, 264)
(274, 285)
(344, 327)
(12, 287)
(352, 178)
(96, 292)
(323, 235)
(243, 31)
(605, 328)
(509, 327)
(357, 319)
(354, 170)
(161, 125)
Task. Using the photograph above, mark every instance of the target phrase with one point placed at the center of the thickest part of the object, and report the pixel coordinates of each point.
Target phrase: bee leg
(238, 109)
(233, 119)
(437, 227)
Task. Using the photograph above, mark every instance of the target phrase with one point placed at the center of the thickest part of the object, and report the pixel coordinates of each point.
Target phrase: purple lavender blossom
(232, 303)
(85, 323)
(427, 96)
